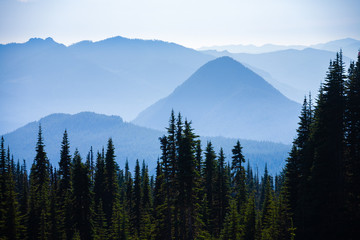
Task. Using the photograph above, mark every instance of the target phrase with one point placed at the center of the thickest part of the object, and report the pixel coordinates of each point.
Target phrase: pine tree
(223, 190)
(210, 188)
(9, 221)
(111, 187)
(269, 228)
(55, 218)
(352, 142)
(82, 199)
(328, 167)
(65, 189)
(99, 179)
(100, 225)
(159, 206)
(136, 217)
(232, 229)
(146, 226)
(238, 175)
(250, 219)
(38, 218)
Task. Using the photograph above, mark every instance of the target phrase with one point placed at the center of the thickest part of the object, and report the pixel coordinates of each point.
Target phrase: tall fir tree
(9, 218)
(111, 187)
(238, 176)
(352, 152)
(210, 189)
(65, 188)
(328, 167)
(82, 199)
(38, 218)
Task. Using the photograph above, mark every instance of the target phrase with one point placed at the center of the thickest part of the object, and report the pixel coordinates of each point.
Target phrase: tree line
(197, 193)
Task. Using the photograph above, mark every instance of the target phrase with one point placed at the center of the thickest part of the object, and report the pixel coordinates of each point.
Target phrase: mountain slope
(131, 142)
(349, 47)
(293, 72)
(114, 76)
(224, 98)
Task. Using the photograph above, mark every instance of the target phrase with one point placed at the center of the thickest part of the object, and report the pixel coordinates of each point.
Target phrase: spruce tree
(38, 218)
(352, 141)
(223, 190)
(210, 188)
(328, 168)
(9, 222)
(82, 199)
(65, 188)
(136, 216)
(111, 187)
(238, 176)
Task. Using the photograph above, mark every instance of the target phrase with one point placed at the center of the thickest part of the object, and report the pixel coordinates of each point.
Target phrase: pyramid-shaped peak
(223, 64)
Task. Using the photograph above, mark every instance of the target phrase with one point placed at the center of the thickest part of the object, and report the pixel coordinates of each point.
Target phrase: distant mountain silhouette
(294, 72)
(114, 76)
(224, 98)
(131, 142)
(349, 47)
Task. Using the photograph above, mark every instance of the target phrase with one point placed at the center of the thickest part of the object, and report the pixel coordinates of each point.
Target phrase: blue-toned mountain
(224, 98)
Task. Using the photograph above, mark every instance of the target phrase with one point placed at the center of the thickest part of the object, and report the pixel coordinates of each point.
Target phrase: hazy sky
(193, 23)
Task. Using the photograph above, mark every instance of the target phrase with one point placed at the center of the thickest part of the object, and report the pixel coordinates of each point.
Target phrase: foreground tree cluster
(197, 193)
(323, 169)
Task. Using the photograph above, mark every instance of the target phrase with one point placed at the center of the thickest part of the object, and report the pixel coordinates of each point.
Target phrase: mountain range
(224, 98)
(114, 76)
(349, 47)
(131, 142)
(293, 72)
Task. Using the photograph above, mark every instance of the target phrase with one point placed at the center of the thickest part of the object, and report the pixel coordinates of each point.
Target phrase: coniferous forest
(197, 193)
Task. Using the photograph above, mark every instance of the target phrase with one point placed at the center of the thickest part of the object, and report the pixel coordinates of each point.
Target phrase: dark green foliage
(136, 212)
(222, 190)
(38, 217)
(352, 153)
(82, 199)
(210, 188)
(111, 187)
(232, 229)
(328, 167)
(238, 176)
(64, 192)
(250, 219)
(9, 214)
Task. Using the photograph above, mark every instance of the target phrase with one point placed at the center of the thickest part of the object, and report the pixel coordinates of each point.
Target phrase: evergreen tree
(352, 142)
(328, 168)
(223, 190)
(268, 217)
(159, 206)
(99, 179)
(82, 199)
(238, 176)
(136, 217)
(111, 187)
(38, 218)
(65, 188)
(210, 188)
(9, 221)
(232, 229)
(100, 225)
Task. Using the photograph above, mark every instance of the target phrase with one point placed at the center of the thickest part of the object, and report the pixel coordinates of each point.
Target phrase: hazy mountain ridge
(114, 76)
(294, 72)
(349, 47)
(131, 142)
(224, 98)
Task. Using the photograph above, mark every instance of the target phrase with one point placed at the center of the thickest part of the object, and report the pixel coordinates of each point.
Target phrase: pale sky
(192, 23)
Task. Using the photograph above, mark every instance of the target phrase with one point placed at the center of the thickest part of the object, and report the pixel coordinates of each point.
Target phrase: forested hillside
(196, 192)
